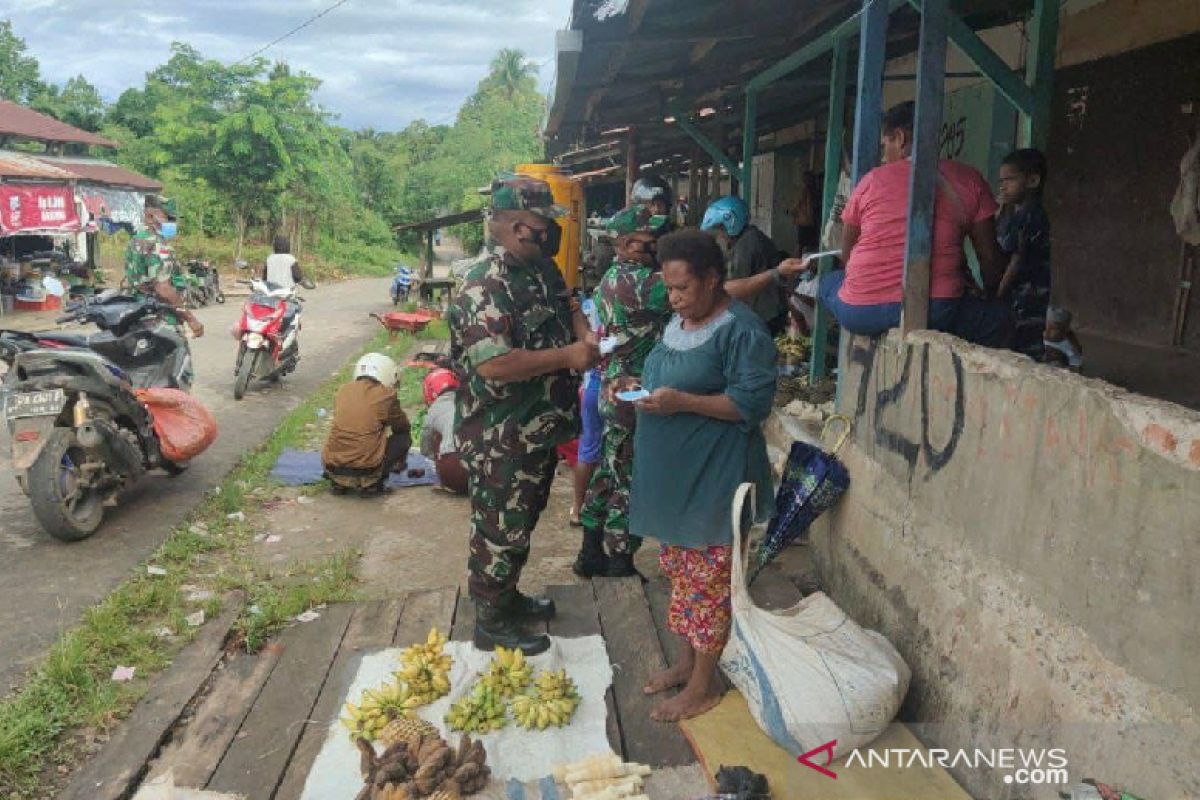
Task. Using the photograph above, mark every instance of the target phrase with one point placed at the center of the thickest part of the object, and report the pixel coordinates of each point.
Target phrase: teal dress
(687, 467)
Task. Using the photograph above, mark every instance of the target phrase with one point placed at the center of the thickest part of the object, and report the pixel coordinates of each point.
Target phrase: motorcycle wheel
(67, 511)
(244, 373)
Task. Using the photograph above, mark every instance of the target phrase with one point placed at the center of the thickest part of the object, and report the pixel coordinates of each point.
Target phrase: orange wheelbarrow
(399, 321)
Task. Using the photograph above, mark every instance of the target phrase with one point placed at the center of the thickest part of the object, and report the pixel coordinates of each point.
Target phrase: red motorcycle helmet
(438, 381)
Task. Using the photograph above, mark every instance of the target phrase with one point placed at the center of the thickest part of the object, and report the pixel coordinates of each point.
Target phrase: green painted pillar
(834, 136)
(1039, 72)
(749, 144)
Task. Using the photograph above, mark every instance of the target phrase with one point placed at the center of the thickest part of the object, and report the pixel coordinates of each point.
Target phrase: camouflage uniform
(507, 432)
(142, 262)
(632, 304)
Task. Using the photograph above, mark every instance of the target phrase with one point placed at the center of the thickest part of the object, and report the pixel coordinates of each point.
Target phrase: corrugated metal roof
(17, 165)
(26, 123)
(103, 172)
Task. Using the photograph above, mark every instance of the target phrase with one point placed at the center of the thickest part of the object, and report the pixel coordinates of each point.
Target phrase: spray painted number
(954, 138)
(896, 441)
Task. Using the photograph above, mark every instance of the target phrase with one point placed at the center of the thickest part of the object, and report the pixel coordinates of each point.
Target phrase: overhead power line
(293, 31)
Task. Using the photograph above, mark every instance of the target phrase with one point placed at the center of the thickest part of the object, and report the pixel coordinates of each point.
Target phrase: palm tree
(511, 71)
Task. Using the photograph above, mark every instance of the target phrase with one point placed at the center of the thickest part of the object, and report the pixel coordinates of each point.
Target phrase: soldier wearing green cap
(631, 302)
(519, 343)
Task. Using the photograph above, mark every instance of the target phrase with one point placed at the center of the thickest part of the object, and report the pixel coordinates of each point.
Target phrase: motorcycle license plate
(35, 404)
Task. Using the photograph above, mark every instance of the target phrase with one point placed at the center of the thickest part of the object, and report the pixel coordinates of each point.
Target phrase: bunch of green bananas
(508, 672)
(376, 708)
(425, 668)
(792, 347)
(480, 711)
(552, 702)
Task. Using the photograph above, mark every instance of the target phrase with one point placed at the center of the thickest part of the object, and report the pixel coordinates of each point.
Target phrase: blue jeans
(591, 439)
(985, 322)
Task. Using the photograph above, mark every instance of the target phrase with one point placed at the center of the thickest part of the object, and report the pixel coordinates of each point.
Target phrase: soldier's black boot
(620, 565)
(497, 627)
(524, 607)
(591, 560)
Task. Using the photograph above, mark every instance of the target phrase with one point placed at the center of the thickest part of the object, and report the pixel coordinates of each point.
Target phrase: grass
(70, 692)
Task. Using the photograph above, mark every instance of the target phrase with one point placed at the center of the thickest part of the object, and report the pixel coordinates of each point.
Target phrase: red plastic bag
(185, 428)
(569, 452)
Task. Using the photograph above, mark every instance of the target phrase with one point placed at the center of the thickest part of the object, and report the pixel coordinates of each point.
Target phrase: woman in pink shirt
(866, 296)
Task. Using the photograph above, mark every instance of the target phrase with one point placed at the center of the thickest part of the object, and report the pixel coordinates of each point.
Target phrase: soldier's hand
(584, 354)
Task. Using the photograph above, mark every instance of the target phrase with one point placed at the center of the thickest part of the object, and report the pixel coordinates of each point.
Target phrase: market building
(57, 198)
(1019, 532)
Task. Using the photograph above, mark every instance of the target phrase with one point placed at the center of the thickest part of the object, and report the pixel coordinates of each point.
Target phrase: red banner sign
(37, 208)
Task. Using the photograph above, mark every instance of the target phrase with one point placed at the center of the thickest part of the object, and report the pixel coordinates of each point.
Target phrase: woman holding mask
(712, 383)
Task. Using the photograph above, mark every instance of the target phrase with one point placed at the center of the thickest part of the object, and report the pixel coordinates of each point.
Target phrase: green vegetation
(72, 690)
(246, 153)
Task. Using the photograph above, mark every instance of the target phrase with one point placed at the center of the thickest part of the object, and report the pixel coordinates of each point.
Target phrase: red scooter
(267, 334)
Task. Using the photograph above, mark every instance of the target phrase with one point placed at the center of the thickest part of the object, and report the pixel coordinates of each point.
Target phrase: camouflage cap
(522, 193)
(636, 217)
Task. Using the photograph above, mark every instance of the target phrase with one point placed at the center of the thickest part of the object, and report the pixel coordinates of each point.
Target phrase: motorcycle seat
(66, 339)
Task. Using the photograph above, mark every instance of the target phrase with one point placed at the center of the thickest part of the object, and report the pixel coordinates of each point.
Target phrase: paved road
(46, 585)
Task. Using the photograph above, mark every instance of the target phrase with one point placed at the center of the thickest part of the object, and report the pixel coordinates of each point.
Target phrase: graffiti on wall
(883, 400)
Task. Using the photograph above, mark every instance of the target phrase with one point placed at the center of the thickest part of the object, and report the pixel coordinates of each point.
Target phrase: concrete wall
(1029, 540)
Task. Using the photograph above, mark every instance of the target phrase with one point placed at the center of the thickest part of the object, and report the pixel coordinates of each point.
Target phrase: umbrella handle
(845, 433)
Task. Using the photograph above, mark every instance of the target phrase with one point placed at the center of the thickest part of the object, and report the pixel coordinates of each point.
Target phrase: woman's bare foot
(691, 702)
(668, 678)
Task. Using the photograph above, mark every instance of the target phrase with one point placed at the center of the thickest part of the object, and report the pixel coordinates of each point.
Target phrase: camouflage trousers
(606, 504)
(508, 495)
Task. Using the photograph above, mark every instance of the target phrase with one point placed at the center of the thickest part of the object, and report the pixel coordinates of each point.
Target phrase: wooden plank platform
(259, 726)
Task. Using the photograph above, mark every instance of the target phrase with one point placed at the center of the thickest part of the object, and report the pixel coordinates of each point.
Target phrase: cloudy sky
(384, 63)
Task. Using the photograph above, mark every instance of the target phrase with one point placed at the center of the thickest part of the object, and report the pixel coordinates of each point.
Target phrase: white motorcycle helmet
(377, 366)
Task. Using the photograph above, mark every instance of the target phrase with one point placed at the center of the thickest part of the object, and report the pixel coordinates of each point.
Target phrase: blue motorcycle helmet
(727, 212)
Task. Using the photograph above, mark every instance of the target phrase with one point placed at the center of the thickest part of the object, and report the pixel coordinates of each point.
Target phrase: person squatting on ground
(865, 297)
(437, 429)
(512, 330)
(370, 436)
(1023, 233)
(699, 436)
(147, 272)
(631, 303)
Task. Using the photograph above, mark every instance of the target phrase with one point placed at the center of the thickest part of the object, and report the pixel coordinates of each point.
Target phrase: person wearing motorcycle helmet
(371, 435)
(519, 345)
(147, 272)
(437, 429)
(755, 273)
(632, 308)
(654, 193)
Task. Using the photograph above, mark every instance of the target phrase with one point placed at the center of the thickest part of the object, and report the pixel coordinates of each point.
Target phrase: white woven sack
(810, 674)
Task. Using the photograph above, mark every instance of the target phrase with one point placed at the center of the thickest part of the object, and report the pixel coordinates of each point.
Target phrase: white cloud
(383, 63)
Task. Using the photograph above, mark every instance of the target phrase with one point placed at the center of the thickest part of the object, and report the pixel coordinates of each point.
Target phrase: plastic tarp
(513, 752)
(123, 206)
(184, 427)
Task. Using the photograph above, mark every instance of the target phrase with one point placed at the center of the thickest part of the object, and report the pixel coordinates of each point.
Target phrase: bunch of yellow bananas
(480, 711)
(552, 702)
(376, 708)
(425, 668)
(508, 672)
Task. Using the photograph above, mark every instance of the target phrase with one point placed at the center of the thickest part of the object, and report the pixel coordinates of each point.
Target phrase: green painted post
(834, 135)
(707, 145)
(1039, 71)
(749, 142)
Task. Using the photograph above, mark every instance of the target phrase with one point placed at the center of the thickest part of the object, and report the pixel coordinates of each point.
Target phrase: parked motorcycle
(80, 434)
(207, 283)
(267, 334)
(401, 285)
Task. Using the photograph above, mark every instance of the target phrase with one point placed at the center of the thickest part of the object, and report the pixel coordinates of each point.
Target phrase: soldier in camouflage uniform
(512, 329)
(632, 305)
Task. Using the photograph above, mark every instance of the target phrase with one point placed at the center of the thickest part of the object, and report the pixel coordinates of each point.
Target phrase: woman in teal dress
(699, 436)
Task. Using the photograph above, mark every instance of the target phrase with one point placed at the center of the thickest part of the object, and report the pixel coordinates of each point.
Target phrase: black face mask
(552, 240)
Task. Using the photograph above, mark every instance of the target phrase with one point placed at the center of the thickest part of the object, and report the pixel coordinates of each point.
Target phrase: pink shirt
(879, 207)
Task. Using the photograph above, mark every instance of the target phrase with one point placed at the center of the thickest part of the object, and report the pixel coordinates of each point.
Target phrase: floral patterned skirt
(700, 607)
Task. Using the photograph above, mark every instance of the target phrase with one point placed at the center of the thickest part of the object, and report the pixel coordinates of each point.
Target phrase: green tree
(512, 73)
(77, 103)
(20, 76)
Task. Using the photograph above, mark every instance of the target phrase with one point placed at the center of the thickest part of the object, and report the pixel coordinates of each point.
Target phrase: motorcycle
(80, 434)
(401, 285)
(267, 334)
(207, 283)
